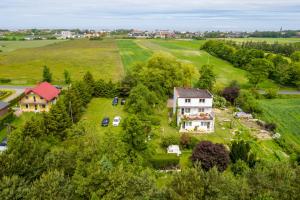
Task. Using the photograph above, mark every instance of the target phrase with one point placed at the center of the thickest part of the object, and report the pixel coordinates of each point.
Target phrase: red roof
(45, 90)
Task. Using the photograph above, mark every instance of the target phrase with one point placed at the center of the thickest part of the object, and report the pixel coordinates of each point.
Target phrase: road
(287, 92)
(18, 91)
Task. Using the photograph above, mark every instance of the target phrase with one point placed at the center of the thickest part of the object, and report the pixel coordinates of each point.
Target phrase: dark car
(123, 102)
(105, 121)
(115, 101)
(4, 142)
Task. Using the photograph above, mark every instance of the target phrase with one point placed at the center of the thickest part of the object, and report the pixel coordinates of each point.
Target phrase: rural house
(193, 108)
(39, 98)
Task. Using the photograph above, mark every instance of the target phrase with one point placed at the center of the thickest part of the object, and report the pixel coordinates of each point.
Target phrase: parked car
(123, 102)
(3, 145)
(105, 121)
(116, 121)
(115, 101)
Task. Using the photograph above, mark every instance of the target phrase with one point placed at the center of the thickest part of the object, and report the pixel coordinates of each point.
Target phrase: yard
(101, 58)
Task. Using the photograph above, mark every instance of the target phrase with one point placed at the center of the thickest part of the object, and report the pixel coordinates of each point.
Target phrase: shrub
(239, 168)
(210, 155)
(169, 140)
(219, 102)
(231, 93)
(5, 80)
(270, 126)
(271, 93)
(165, 161)
(187, 141)
(248, 102)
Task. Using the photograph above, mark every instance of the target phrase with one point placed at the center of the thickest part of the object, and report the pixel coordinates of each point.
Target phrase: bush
(210, 155)
(231, 93)
(7, 118)
(187, 141)
(219, 102)
(165, 161)
(169, 140)
(248, 102)
(5, 80)
(271, 93)
(270, 126)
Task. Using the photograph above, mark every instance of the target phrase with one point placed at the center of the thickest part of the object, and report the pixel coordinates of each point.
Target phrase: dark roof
(193, 93)
(3, 105)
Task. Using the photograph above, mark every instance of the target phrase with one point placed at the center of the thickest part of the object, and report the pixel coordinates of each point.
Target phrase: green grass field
(286, 114)
(268, 40)
(99, 108)
(101, 58)
(7, 46)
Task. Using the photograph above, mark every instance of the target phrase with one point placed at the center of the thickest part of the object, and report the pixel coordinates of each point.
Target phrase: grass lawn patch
(101, 58)
(99, 108)
(7, 46)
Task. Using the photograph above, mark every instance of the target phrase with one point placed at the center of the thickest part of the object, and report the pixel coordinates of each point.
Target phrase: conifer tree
(73, 104)
(47, 75)
(89, 80)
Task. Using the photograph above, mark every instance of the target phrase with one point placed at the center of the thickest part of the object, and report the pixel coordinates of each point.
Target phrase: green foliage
(88, 79)
(13, 187)
(240, 150)
(164, 161)
(258, 70)
(271, 93)
(141, 101)
(169, 140)
(239, 168)
(34, 128)
(67, 77)
(105, 89)
(207, 77)
(57, 120)
(7, 118)
(248, 102)
(47, 75)
(296, 56)
(73, 103)
(135, 133)
(187, 141)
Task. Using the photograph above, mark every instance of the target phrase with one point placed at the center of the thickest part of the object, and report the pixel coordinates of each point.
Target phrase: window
(187, 100)
(26, 97)
(201, 109)
(203, 123)
(187, 110)
(35, 107)
(41, 98)
(34, 99)
(43, 106)
(27, 106)
(189, 123)
(202, 100)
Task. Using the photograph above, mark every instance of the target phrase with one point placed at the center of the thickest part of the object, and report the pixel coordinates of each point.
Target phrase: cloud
(175, 14)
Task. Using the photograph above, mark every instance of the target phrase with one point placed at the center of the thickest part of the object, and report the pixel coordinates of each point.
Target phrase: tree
(34, 128)
(231, 93)
(13, 187)
(135, 134)
(47, 75)
(210, 155)
(248, 102)
(73, 104)
(296, 56)
(58, 120)
(141, 101)
(258, 70)
(89, 80)
(207, 77)
(240, 150)
(67, 77)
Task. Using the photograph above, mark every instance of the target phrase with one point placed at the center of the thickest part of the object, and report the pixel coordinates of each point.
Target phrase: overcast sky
(194, 15)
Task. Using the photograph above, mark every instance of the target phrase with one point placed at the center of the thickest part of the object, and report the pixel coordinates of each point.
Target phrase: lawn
(131, 53)
(17, 124)
(99, 108)
(7, 46)
(101, 58)
(286, 114)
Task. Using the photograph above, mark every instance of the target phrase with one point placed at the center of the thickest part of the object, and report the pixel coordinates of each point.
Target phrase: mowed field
(286, 114)
(7, 46)
(101, 58)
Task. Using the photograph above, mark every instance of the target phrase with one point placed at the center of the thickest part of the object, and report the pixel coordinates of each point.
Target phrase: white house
(193, 108)
(174, 149)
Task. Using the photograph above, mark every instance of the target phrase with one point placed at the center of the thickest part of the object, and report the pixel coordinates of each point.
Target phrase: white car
(116, 121)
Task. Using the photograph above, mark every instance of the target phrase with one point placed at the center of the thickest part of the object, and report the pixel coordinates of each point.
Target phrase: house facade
(39, 98)
(193, 108)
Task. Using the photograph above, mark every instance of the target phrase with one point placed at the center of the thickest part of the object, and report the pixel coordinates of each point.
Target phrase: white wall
(195, 102)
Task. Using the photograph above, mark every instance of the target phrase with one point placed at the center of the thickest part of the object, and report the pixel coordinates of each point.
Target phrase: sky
(182, 15)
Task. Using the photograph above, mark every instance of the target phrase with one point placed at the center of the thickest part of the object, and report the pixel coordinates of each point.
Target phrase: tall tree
(258, 70)
(67, 77)
(73, 104)
(89, 80)
(207, 77)
(47, 75)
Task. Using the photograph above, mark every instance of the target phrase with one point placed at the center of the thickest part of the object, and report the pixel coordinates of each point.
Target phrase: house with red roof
(40, 98)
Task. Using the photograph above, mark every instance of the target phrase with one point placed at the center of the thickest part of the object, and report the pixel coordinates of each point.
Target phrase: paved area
(18, 91)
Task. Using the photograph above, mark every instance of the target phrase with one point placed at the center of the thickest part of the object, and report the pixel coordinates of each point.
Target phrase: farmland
(7, 46)
(24, 66)
(268, 40)
(286, 114)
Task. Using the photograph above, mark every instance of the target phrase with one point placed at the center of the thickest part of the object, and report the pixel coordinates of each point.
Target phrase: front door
(182, 111)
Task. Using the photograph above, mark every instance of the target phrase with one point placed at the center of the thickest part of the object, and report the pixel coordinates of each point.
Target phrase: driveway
(18, 91)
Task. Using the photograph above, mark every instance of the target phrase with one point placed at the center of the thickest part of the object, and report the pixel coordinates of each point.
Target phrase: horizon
(190, 15)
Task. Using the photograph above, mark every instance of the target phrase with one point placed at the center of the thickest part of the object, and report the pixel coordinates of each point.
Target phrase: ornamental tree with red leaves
(210, 155)
(231, 93)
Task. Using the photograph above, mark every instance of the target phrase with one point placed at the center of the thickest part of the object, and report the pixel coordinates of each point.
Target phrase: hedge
(165, 161)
